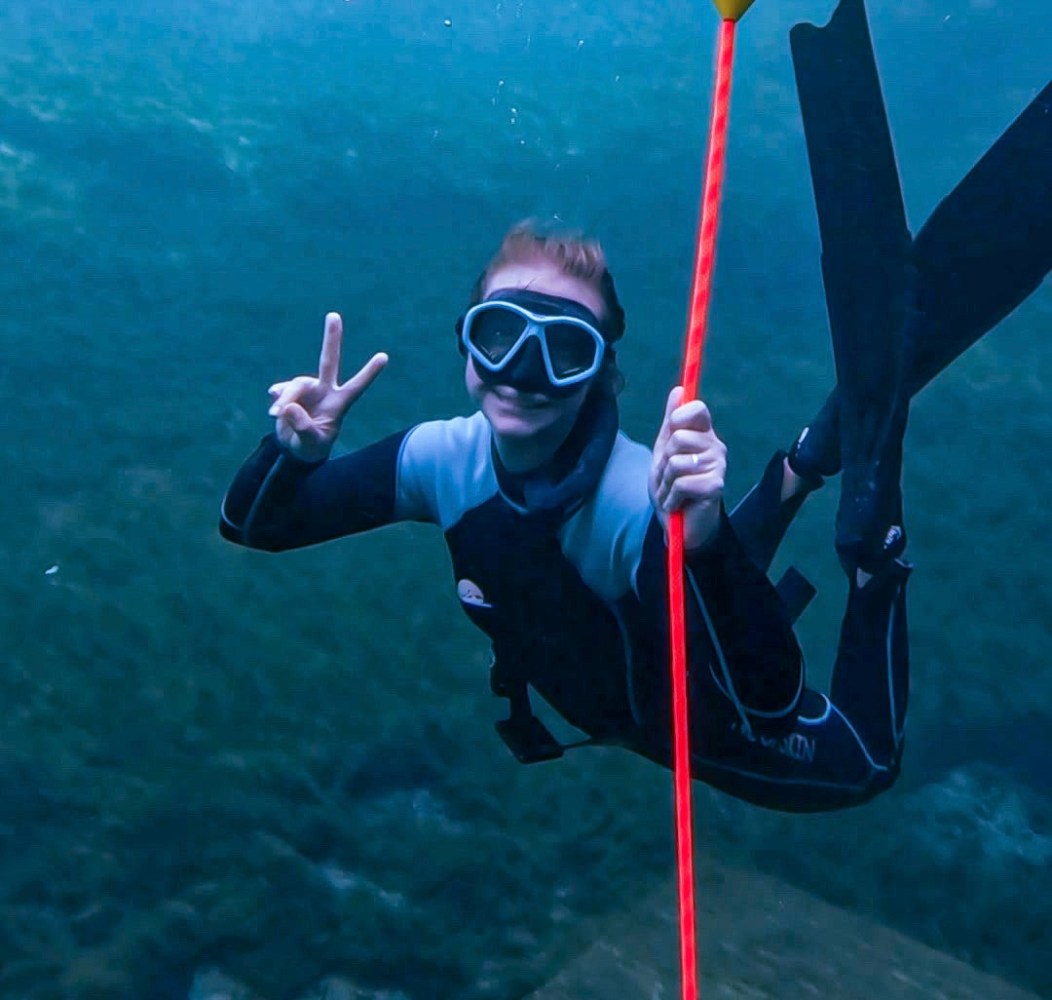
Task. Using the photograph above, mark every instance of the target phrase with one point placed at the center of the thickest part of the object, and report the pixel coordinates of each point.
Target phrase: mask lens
(494, 332)
(571, 349)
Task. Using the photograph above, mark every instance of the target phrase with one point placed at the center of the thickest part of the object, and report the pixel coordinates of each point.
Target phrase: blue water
(284, 767)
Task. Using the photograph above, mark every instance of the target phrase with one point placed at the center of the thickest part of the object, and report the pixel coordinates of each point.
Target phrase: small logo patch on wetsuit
(470, 593)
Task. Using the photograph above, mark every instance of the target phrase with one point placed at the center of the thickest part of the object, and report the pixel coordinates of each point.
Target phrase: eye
(572, 349)
(495, 332)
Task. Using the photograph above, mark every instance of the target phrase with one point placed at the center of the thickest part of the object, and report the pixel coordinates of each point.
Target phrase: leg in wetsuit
(839, 749)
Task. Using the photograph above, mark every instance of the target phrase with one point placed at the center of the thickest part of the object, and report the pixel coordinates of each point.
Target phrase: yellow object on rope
(732, 10)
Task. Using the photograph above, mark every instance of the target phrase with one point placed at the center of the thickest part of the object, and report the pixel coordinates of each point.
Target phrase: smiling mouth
(520, 401)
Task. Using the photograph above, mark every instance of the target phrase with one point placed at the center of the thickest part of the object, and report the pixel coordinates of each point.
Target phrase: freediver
(555, 519)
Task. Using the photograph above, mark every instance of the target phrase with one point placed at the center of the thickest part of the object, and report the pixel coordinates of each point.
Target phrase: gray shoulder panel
(444, 470)
(604, 539)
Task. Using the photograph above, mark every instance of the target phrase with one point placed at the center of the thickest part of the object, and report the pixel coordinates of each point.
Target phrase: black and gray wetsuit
(564, 570)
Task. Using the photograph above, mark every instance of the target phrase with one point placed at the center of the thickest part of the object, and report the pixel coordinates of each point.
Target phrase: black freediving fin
(986, 247)
(866, 261)
(983, 251)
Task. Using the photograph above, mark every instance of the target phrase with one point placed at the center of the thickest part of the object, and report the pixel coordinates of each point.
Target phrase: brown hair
(526, 243)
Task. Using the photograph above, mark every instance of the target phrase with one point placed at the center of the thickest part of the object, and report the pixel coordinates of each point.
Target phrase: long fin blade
(986, 247)
(865, 239)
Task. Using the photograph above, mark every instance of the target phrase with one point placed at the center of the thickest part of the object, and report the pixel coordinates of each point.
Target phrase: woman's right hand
(308, 411)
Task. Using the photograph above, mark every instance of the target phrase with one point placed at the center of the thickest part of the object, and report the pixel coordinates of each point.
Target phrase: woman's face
(517, 415)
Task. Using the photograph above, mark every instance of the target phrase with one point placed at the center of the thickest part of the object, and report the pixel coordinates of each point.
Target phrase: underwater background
(284, 768)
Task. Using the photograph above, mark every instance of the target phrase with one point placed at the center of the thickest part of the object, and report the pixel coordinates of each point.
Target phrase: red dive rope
(704, 262)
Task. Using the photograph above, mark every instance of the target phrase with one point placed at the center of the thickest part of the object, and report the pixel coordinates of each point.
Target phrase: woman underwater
(555, 519)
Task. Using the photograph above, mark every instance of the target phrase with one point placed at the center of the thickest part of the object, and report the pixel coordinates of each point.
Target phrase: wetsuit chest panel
(547, 626)
(604, 537)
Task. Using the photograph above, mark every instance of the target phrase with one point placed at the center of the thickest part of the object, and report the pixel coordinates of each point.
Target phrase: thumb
(675, 397)
(666, 431)
(297, 418)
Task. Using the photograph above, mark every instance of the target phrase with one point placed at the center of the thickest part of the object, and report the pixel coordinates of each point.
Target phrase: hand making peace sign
(308, 411)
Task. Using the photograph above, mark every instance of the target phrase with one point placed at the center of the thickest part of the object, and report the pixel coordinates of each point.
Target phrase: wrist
(300, 455)
(702, 532)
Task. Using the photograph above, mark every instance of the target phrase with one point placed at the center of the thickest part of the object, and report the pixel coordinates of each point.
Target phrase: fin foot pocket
(815, 454)
(869, 516)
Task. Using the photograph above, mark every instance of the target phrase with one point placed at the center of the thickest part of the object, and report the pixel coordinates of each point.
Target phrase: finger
(695, 471)
(670, 404)
(659, 453)
(292, 390)
(663, 492)
(289, 391)
(362, 379)
(694, 415)
(331, 346)
(683, 490)
(276, 389)
(671, 468)
(687, 442)
(694, 489)
(693, 464)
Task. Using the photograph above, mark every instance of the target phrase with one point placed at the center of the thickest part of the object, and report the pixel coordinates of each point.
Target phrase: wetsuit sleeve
(278, 502)
(740, 642)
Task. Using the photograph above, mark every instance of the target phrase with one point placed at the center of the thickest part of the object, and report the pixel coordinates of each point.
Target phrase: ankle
(863, 565)
(793, 484)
